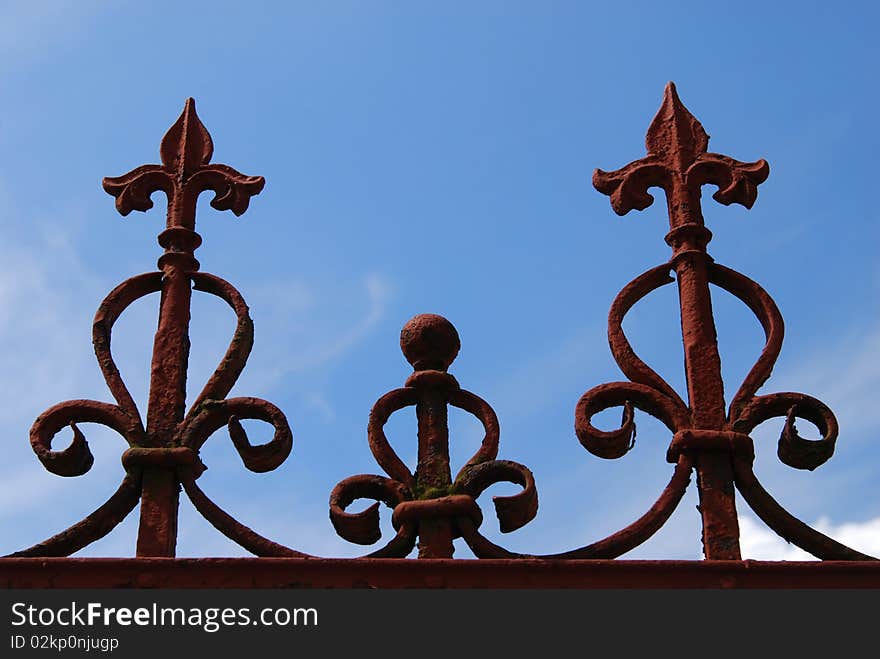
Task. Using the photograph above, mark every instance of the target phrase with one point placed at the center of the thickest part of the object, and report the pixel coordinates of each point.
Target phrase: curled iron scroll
(748, 410)
(650, 393)
(399, 491)
(209, 412)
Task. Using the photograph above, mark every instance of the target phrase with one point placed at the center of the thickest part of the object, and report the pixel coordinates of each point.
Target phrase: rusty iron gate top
(430, 507)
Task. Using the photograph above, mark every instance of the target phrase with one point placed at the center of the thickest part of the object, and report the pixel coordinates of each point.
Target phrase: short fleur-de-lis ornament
(428, 504)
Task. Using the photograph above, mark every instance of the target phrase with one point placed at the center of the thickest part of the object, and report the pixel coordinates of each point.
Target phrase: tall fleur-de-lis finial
(163, 453)
(187, 145)
(678, 162)
(707, 437)
(185, 173)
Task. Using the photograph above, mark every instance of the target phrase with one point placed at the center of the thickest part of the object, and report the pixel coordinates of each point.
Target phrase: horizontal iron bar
(430, 573)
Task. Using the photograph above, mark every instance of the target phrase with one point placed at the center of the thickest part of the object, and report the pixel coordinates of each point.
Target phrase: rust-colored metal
(431, 508)
(714, 439)
(193, 573)
(164, 452)
(429, 504)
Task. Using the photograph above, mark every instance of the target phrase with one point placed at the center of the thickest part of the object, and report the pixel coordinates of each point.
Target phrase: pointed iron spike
(187, 145)
(675, 135)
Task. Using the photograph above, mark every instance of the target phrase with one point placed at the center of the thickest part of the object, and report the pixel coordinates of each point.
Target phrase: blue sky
(436, 157)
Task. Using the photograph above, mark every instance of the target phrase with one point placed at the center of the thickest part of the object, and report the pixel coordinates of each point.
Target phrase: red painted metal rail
(429, 506)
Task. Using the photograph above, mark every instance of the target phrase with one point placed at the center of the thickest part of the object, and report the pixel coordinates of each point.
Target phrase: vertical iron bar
(705, 387)
(157, 534)
(433, 472)
(678, 161)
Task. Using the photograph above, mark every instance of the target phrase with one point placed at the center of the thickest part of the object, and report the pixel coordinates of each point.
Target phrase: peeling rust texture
(713, 437)
(437, 573)
(164, 453)
(429, 506)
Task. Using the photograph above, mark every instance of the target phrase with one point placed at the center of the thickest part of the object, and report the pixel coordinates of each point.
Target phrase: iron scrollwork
(163, 454)
(715, 441)
(430, 507)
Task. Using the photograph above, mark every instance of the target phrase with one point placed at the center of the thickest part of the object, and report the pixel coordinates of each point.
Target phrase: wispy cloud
(561, 370)
(378, 293)
(298, 321)
(845, 372)
(36, 328)
(318, 402)
(760, 543)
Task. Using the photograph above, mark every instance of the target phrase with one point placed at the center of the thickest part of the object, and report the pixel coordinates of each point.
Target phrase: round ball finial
(429, 342)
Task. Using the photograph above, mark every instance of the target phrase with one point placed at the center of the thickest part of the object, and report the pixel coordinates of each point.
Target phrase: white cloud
(560, 370)
(294, 317)
(761, 543)
(36, 330)
(378, 292)
(845, 373)
(318, 402)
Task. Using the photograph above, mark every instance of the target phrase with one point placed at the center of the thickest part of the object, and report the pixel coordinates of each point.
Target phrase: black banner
(405, 623)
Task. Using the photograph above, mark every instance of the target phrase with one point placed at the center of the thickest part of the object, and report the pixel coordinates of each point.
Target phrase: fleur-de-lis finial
(678, 162)
(185, 173)
(187, 145)
(163, 453)
(707, 436)
(675, 136)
